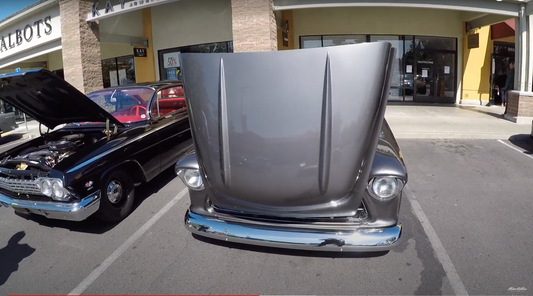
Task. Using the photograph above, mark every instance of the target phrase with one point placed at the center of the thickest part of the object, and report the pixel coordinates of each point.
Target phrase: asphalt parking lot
(467, 214)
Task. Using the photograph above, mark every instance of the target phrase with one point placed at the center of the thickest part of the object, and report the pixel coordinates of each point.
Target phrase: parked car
(7, 122)
(292, 149)
(112, 140)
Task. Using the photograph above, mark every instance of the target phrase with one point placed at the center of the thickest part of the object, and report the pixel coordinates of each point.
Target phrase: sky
(9, 7)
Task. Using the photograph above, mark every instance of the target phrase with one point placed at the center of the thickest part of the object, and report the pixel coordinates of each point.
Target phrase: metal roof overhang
(510, 9)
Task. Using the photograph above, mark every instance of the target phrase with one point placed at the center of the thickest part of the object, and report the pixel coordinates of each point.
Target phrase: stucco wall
(189, 22)
(129, 24)
(55, 60)
(477, 68)
(112, 50)
(377, 20)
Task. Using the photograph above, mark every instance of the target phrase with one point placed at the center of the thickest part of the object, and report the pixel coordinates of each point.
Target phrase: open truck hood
(288, 132)
(49, 99)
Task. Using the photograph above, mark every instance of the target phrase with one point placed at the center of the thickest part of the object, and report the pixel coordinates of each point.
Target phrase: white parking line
(453, 277)
(113, 257)
(516, 149)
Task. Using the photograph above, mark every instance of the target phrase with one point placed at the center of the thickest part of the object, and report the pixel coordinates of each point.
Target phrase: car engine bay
(45, 157)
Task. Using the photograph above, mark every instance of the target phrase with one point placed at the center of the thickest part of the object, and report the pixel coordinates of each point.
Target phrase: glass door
(424, 78)
(445, 77)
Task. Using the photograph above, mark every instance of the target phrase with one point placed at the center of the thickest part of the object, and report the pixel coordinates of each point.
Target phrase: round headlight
(57, 189)
(193, 179)
(385, 188)
(46, 187)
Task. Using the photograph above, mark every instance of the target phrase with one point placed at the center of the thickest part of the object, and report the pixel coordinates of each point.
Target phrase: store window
(310, 41)
(118, 71)
(397, 75)
(342, 39)
(169, 67)
(424, 70)
(435, 43)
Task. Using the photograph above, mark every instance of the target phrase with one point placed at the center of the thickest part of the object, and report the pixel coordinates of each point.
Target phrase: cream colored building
(447, 51)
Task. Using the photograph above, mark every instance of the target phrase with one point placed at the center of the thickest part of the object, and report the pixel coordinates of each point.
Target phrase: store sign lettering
(26, 34)
(109, 5)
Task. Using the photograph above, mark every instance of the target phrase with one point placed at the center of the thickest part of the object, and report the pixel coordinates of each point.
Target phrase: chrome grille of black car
(20, 186)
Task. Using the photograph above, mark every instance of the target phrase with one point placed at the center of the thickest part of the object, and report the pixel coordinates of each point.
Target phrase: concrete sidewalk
(459, 122)
(407, 121)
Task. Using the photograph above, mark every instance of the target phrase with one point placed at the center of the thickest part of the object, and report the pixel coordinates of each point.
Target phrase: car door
(169, 113)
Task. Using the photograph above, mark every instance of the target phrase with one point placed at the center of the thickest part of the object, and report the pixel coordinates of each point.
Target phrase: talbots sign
(116, 7)
(40, 31)
(26, 34)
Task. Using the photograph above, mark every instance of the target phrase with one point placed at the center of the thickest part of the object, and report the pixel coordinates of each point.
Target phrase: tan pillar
(254, 25)
(82, 63)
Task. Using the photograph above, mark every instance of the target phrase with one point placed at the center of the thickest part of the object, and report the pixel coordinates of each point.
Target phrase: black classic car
(111, 140)
(292, 149)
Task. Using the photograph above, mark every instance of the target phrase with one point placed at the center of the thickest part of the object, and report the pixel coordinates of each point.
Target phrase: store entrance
(502, 54)
(434, 81)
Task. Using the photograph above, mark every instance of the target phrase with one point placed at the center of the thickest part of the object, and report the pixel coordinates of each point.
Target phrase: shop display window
(118, 71)
(169, 67)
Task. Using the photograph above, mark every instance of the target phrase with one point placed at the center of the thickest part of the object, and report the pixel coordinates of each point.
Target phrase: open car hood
(49, 99)
(290, 131)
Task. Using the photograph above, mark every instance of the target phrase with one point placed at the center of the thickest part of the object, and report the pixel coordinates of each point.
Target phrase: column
(520, 100)
(527, 53)
(521, 52)
(254, 25)
(82, 63)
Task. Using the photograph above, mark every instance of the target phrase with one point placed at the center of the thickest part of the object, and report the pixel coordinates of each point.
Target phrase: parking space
(477, 194)
(474, 193)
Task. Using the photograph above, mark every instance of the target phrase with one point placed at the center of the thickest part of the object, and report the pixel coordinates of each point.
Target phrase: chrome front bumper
(56, 210)
(361, 240)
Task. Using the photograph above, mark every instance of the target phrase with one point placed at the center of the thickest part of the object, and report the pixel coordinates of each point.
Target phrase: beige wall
(129, 24)
(189, 22)
(55, 60)
(377, 20)
(112, 50)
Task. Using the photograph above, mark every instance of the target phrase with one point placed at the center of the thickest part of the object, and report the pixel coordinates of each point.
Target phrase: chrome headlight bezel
(54, 188)
(187, 175)
(396, 183)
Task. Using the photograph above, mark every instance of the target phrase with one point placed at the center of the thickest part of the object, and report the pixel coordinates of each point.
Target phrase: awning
(503, 30)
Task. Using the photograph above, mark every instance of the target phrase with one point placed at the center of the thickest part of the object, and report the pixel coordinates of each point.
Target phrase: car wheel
(116, 197)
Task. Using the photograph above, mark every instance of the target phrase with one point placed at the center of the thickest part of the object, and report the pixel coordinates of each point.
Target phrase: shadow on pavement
(486, 112)
(12, 254)
(288, 252)
(92, 225)
(408, 103)
(523, 141)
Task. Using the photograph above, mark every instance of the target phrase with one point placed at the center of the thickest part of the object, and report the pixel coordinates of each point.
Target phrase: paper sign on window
(409, 69)
(446, 70)
(424, 73)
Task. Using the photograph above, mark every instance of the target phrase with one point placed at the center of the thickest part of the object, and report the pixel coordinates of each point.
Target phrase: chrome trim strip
(20, 186)
(57, 210)
(324, 161)
(95, 158)
(357, 240)
(223, 130)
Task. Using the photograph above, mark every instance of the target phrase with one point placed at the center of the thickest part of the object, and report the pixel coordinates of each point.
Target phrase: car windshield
(126, 104)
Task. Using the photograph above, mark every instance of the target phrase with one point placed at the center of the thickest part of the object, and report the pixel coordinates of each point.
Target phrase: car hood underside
(49, 99)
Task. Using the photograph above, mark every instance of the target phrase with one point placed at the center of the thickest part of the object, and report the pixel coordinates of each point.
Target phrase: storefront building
(448, 52)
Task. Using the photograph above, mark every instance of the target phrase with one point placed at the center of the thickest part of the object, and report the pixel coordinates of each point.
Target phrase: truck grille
(20, 186)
